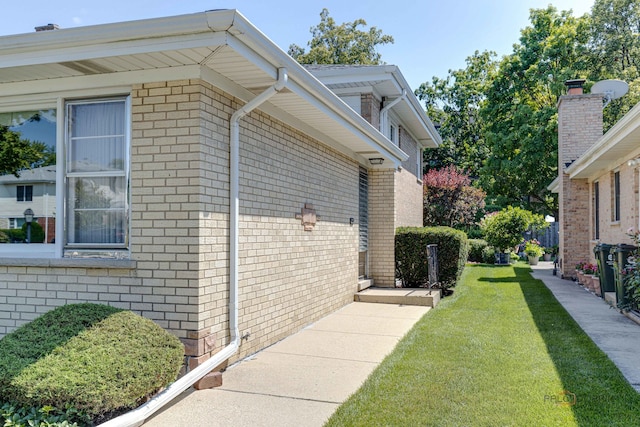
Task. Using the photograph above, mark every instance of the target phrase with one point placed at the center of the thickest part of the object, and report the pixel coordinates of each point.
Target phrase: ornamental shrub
(37, 232)
(489, 255)
(503, 230)
(94, 358)
(476, 247)
(449, 199)
(532, 248)
(411, 255)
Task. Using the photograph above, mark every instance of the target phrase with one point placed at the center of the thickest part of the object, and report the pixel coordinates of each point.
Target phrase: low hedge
(411, 254)
(94, 358)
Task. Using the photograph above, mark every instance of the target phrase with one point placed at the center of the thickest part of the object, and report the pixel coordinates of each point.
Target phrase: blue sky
(431, 36)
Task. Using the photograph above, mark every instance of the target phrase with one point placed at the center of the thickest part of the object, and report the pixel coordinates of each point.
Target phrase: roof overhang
(617, 145)
(386, 81)
(221, 47)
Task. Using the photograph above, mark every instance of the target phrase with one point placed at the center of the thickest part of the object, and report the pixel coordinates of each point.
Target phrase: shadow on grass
(594, 388)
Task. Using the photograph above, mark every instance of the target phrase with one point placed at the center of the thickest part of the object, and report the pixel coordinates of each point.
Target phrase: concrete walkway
(615, 334)
(301, 380)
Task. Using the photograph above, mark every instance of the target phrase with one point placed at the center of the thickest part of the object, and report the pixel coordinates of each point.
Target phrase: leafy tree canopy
(17, 154)
(341, 44)
(454, 103)
(520, 112)
(499, 118)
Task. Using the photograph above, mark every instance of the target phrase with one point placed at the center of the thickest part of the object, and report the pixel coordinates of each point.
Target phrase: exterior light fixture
(633, 162)
(376, 161)
(28, 218)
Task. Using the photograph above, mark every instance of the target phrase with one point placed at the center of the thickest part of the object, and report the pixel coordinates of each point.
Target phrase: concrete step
(402, 296)
(364, 284)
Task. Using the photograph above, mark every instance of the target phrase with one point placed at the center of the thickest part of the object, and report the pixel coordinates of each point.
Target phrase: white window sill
(43, 255)
(126, 264)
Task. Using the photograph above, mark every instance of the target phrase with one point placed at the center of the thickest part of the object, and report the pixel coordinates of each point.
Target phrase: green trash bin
(622, 253)
(604, 258)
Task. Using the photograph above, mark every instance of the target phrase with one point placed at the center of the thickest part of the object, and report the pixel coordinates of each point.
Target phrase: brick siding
(579, 127)
(179, 185)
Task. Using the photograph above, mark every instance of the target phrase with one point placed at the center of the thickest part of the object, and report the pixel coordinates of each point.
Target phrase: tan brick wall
(410, 147)
(382, 226)
(179, 186)
(614, 232)
(290, 277)
(371, 109)
(574, 224)
(579, 127)
(408, 200)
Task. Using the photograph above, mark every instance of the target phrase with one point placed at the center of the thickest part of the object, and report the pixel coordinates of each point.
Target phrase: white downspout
(384, 112)
(138, 416)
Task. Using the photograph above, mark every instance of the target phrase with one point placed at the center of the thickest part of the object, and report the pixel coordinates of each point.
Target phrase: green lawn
(500, 352)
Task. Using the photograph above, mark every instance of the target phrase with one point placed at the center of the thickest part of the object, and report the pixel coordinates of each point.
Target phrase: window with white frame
(393, 134)
(615, 201)
(24, 193)
(76, 180)
(97, 173)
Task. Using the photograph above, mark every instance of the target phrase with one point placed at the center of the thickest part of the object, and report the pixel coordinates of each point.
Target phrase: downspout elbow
(384, 112)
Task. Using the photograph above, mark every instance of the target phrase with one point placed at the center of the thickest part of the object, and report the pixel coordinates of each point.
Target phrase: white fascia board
(207, 29)
(121, 81)
(304, 84)
(378, 143)
(154, 30)
(356, 74)
(104, 50)
(418, 110)
(245, 95)
(626, 125)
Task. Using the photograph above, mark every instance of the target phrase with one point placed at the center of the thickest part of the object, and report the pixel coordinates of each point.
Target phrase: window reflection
(27, 174)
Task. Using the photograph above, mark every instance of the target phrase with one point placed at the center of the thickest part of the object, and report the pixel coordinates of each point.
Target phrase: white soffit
(222, 41)
(613, 149)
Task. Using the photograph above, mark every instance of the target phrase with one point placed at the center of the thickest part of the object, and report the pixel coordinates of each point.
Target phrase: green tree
(341, 44)
(18, 154)
(614, 51)
(520, 113)
(454, 103)
(503, 230)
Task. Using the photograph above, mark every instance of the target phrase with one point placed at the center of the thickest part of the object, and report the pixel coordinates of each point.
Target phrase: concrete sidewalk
(301, 380)
(615, 334)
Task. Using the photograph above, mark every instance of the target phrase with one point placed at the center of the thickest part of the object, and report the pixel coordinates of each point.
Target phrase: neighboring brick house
(598, 177)
(206, 180)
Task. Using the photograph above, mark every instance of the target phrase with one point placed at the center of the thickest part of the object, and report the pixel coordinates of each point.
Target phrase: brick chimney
(48, 27)
(579, 127)
(574, 87)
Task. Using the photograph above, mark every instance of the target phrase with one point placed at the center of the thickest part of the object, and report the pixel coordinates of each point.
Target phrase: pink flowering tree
(450, 199)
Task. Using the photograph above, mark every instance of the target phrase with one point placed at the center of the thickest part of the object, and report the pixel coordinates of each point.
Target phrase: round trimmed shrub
(95, 358)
